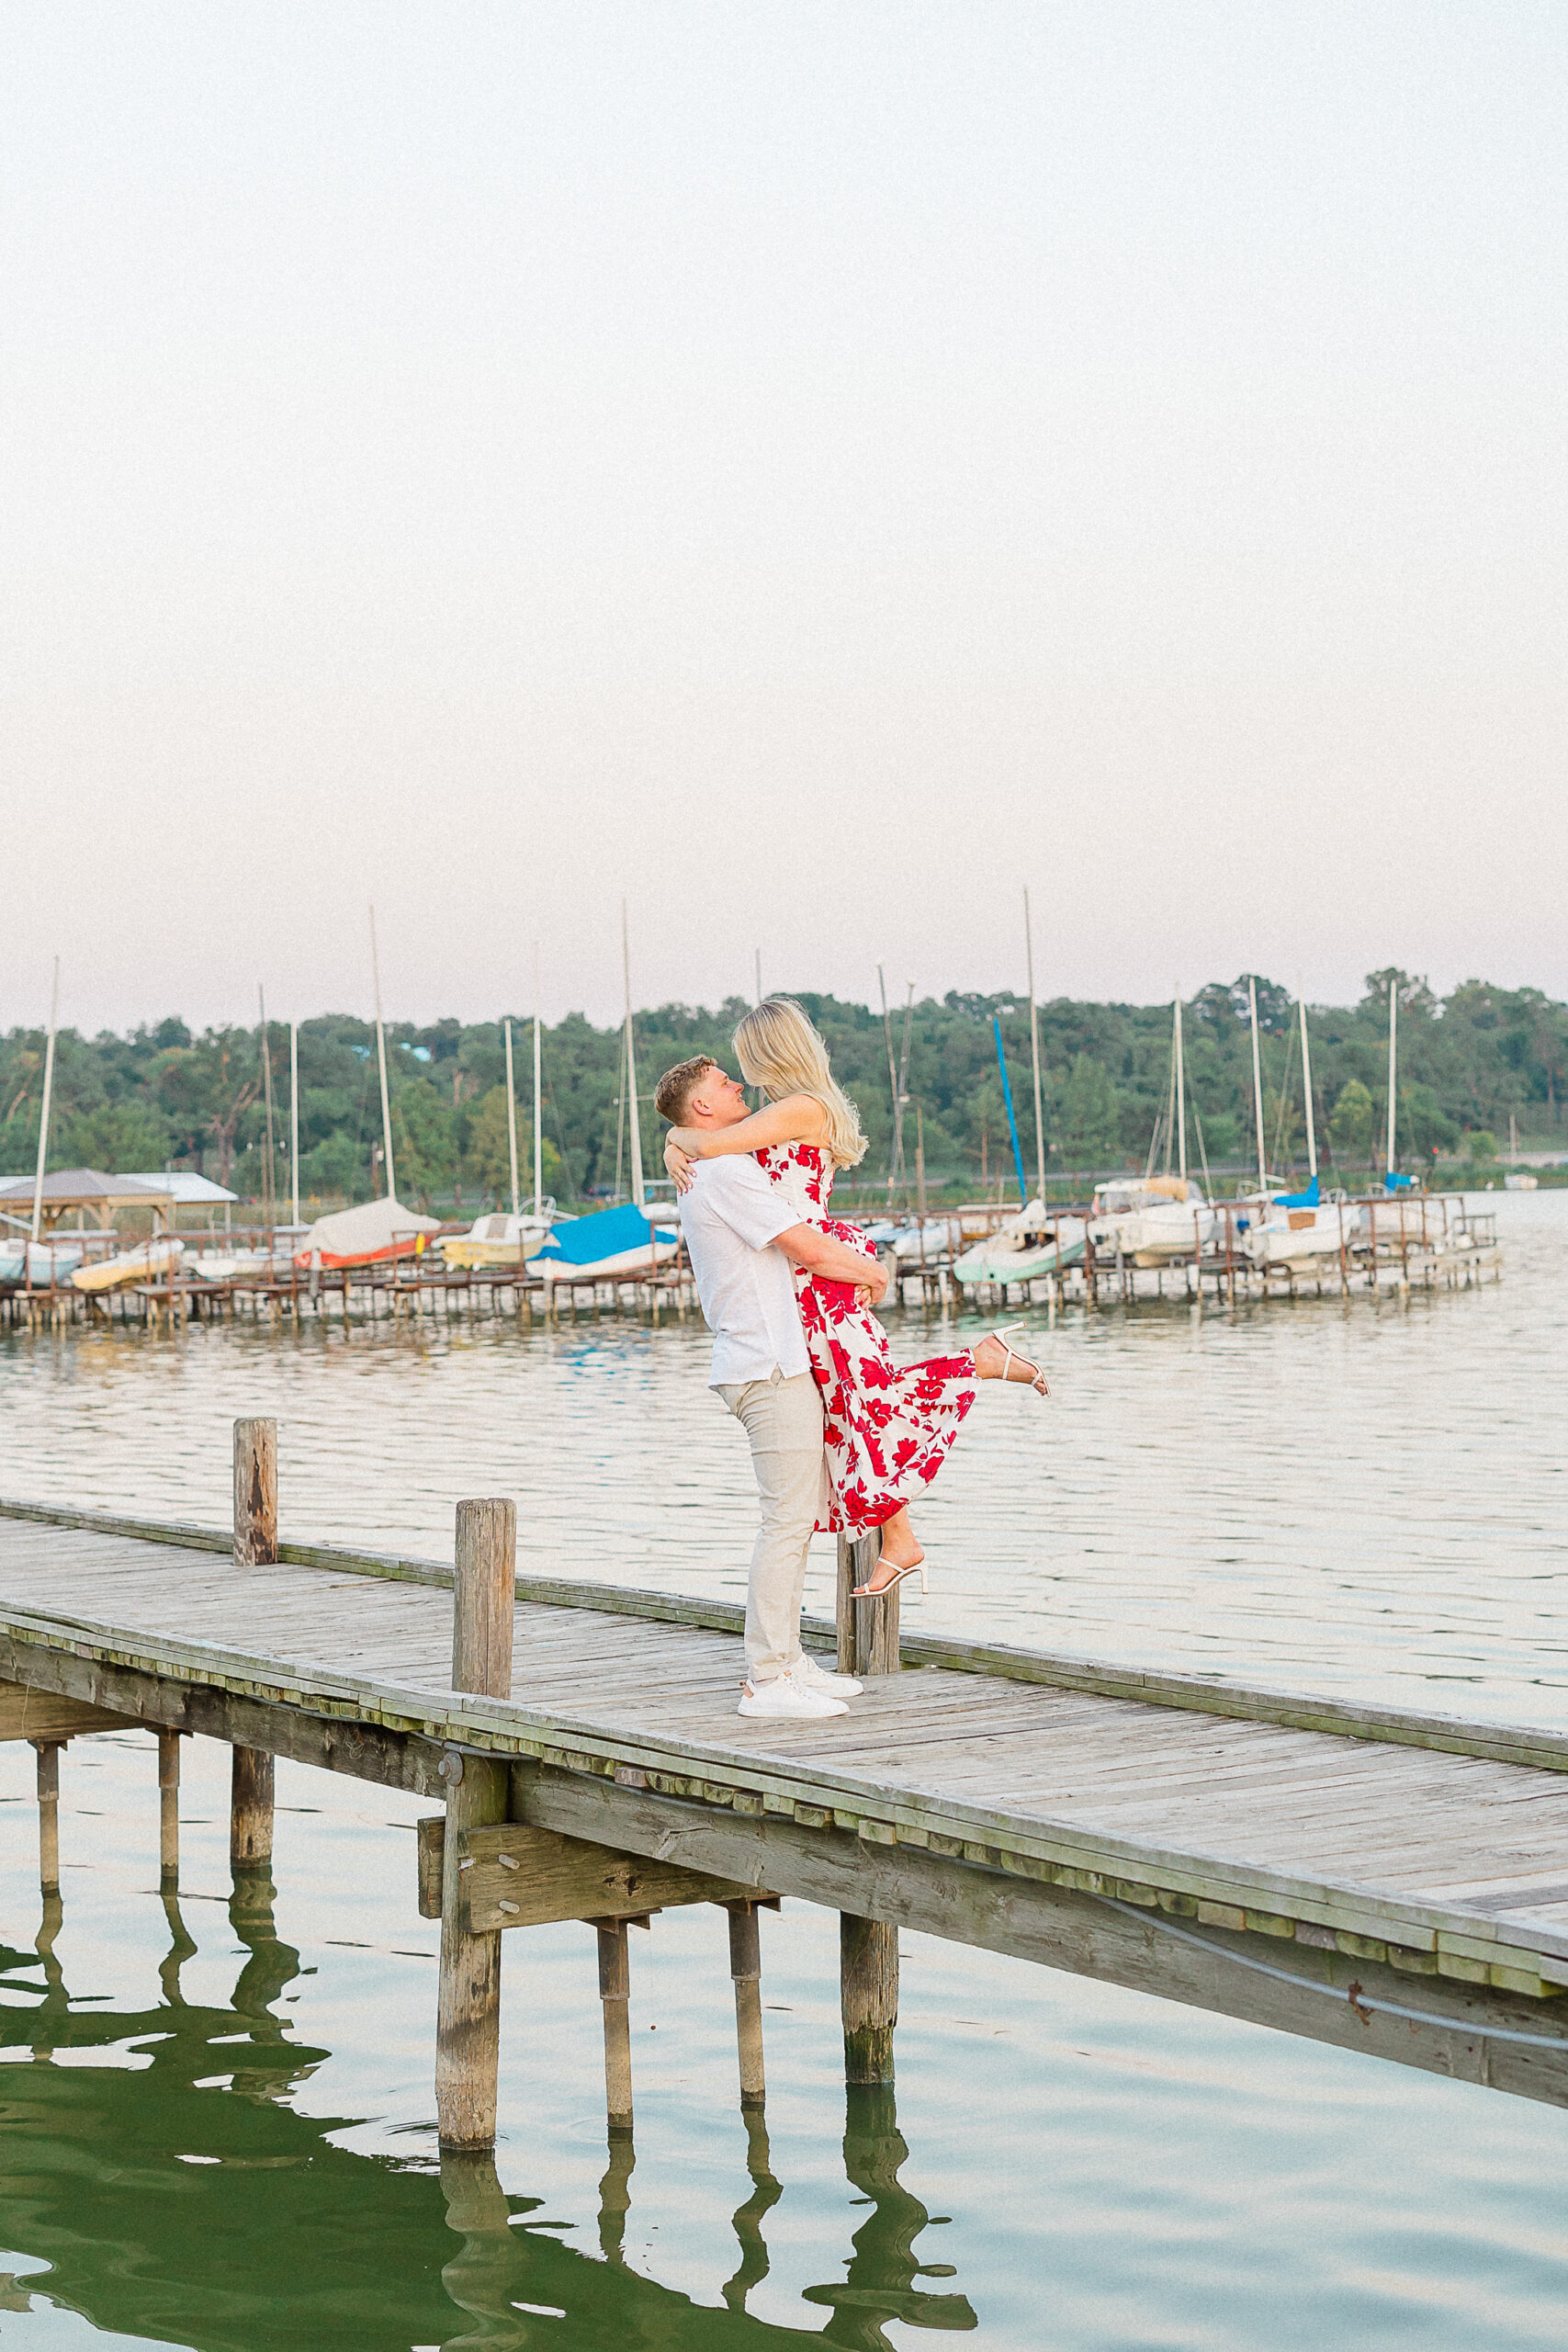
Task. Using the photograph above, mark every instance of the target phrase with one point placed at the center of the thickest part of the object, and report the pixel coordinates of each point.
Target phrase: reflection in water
(181, 2197)
(883, 2269)
(749, 2218)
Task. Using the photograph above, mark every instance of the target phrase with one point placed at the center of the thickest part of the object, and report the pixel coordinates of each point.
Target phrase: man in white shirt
(742, 1237)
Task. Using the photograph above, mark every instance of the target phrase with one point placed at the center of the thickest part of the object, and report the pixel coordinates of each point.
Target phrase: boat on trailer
(1038, 1240)
(615, 1245)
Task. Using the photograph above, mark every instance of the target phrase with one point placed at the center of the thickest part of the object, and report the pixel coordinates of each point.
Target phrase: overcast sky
(810, 470)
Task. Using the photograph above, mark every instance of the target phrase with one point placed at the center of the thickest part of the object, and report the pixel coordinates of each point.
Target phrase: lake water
(218, 2128)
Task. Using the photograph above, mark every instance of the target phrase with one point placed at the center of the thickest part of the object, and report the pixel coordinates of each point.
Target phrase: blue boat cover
(1392, 1183)
(1307, 1200)
(583, 1240)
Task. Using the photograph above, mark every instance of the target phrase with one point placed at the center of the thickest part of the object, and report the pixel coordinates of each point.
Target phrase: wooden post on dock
(250, 1809)
(746, 1968)
(615, 1992)
(868, 1985)
(868, 1951)
(49, 1814)
(169, 1810)
(255, 1494)
(467, 2031)
(255, 1547)
(868, 1630)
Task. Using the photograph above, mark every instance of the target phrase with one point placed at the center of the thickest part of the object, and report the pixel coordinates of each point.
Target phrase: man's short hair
(672, 1095)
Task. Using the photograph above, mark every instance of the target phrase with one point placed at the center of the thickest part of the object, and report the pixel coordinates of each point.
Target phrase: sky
(810, 471)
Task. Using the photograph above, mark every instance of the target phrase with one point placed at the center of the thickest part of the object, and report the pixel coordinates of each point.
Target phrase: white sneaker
(787, 1698)
(818, 1677)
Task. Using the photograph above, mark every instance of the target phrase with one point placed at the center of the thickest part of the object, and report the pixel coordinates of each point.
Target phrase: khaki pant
(783, 1420)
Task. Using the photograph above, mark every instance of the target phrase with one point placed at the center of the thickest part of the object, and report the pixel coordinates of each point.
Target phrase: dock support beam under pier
(49, 1814)
(169, 1810)
(250, 1809)
(255, 1547)
(746, 1969)
(615, 1992)
(868, 1949)
(467, 2031)
(868, 1985)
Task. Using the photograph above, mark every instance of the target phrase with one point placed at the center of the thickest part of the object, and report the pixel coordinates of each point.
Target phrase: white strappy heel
(1011, 1357)
(880, 1592)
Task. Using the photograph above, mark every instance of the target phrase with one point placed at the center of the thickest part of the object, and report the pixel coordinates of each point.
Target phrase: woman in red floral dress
(887, 1430)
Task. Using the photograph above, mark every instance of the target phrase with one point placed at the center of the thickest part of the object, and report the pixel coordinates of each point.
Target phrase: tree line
(165, 1096)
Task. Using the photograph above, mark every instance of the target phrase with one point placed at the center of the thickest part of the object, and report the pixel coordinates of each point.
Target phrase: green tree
(115, 1136)
(1423, 1121)
(1090, 1115)
(489, 1159)
(1351, 1121)
(1480, 1145)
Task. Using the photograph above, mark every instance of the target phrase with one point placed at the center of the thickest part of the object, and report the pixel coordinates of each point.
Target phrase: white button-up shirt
(729, 1219)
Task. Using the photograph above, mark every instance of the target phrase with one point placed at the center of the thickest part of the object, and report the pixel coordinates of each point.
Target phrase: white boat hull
(1292, 1235)
(624, 1265)
(1006, 1258)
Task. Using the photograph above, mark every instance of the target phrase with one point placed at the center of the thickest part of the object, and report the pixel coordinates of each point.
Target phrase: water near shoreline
(217, 2125)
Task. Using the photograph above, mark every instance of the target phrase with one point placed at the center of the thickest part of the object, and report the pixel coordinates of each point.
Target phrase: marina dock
(1392, 1882)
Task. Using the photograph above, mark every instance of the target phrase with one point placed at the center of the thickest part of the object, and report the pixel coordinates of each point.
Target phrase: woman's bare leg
(899, 1550)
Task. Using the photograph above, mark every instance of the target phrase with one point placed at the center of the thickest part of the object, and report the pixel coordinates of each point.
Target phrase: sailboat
(377, 1231)
(617, 1244)
(1034, 1240)
(1288, 1227)
(501, 1240)
(1161, 1217)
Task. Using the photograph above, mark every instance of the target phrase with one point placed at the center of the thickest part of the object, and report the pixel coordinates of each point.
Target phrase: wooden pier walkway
(1389, 1881)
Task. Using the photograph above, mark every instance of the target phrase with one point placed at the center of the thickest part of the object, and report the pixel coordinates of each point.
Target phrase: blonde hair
(780, 1052)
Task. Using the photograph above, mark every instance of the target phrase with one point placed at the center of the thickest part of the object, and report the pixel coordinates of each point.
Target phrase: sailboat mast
(1170, 1097)
(1257, 1083)
(631, 1063)
(43, 1113)
(538, 1129)
(892, 1072)
(902, 1094)
(510, 1117)
(294, 1114)
(268, 1188)
(381, 1060)
(1392, 1033)
(1180, 1095)
(1307, 1089)
(1034, 1049)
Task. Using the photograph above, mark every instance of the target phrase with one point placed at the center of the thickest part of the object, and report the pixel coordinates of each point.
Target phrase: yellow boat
(148, 1263)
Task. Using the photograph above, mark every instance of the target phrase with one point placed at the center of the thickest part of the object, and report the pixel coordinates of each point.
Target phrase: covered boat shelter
(90, 1193)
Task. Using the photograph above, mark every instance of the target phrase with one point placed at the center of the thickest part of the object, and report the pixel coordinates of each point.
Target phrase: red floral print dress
(887, 1432)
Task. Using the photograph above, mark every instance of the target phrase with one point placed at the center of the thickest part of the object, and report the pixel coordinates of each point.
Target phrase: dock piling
(746, 1969)
(868, 1986)
(169, 1810)
(250, 1809)
(49, 1814)
(255, 1494)
(615, 1992)
(467, 2033)
(868, 1630)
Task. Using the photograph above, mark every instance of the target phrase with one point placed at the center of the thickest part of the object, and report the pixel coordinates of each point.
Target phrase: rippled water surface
(1351, 1495)
(216, 2122)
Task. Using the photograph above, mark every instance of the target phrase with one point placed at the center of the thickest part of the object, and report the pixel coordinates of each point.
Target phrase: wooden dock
(1388, 1881)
